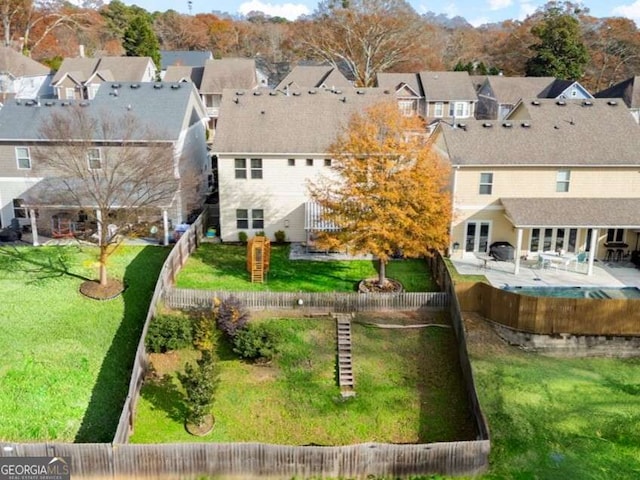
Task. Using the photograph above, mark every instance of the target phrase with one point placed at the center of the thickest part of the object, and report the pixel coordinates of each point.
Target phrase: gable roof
(314, 76)
(163, 108)
(18, 65)
(447, 86)
(305, 122)
(510, 90)
(628, 90)
(177, 74)
(559, 87)
(394, 81)
(122, 69)
(184, 58)
(548, 132)
(239, 73)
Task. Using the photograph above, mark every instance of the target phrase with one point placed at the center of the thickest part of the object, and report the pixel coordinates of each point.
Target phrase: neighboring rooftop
(237, 73)
(548, 132)
(447, 86)
(394, 82)
(121, 69)
(180, 74)
(183, 58)
(510, 90)
(628, 90)
(304, 122)
(314, 76)
(18, 65)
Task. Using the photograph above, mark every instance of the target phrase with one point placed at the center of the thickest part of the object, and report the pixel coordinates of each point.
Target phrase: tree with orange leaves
(393, 194)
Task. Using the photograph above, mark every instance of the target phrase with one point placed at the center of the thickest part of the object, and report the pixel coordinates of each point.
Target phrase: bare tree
(365, 36)
(106, 166)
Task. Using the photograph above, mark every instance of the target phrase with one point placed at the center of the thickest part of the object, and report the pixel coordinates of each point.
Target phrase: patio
(499, 274)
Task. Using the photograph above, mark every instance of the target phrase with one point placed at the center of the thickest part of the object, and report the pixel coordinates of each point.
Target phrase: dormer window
(94, 159)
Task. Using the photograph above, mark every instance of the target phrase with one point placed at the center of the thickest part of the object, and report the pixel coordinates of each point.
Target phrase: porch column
(165, 226)
(592, 250)
(518, 253)
(34, 227)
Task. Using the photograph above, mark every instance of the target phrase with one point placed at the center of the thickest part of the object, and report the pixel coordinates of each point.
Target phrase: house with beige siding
(554, 176)
(269, 146)
(169, 116)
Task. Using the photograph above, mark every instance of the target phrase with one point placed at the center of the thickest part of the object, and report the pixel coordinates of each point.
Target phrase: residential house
(168, 115)
(555, 175)
(629, 91)
(314, 76)
(233, 73)
(448, 96)
(22, 77)
(269, 145)
(79, 78)
(182, 58)
(407, 89)
(498, 95)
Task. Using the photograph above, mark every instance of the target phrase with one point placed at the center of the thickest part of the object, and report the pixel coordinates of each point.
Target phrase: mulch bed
(93, 289)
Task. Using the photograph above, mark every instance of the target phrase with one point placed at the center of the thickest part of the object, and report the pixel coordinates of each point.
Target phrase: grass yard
(223, 267)
(556, 418)
(408, 388)
(66, 359)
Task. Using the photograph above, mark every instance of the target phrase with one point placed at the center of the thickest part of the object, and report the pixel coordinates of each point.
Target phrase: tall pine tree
(140, 40)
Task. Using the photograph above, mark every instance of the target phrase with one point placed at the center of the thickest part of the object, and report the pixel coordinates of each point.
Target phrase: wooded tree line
(363, 36)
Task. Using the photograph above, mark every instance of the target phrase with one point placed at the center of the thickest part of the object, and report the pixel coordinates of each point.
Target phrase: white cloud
(476, 22)
(290, 11)
(499, 4)
(631, 11)
(450, 9)
(526, 9)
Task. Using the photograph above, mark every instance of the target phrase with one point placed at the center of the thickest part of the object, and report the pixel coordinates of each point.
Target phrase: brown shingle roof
(301, 123)
(576, 133)
(238, 73)
(122, 69)
(628, 90)
(446, 86)
(392, 81)
(177, 73)
(510, 90)
(573, 212)
(314, 76)
(18, 65)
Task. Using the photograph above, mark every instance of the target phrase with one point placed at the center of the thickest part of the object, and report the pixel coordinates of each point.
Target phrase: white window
(486, 183)
(94, 159)
(459, 109)
(256, 168)
(562, 180)
(615, 235)
(19, 210)
(23, 158)
(70, 93)
(438, 109)
(242, 218)
(257, 218)
(241, 167)
(407, 107)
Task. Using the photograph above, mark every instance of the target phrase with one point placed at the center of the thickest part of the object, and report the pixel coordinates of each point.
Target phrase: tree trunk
(382, 274)
(103, 263)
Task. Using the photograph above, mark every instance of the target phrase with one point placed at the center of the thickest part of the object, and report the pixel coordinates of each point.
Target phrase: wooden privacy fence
(342, 302)
(186, 244)
(244, 460)
(550, 315)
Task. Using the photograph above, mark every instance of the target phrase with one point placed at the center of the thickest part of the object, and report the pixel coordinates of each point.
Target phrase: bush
(199, 383)
(260, 234)
(168, 332)
(242, 236)
(255, 341)
(231, 316)
(203, 332)
(280, 236)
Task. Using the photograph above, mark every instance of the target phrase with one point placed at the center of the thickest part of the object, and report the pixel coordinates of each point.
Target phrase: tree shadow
(42, 263)
(112, 384)
(164, 394)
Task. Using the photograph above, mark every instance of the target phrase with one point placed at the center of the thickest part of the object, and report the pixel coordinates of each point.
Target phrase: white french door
(477, 235)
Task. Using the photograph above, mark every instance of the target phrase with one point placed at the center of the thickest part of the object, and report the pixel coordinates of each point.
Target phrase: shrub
(168, 332)
(280, 236)
(199, 383)
(260, 234)
(255, 341)
(242, 236)
(203, 332)
(231, 316)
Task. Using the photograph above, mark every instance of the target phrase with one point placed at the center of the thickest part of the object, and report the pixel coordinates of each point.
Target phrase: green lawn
(223, 267)
(66, 359)
(556, 418)
(407, 382)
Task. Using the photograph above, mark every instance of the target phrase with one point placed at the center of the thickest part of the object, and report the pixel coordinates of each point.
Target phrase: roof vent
(262, 112)
(312, 92)
(338, 92)
(360, 92)
(115, 85)
(175, 86)
(526, 125)
(296, 94)
(236, 100)
(343, 99)
(561, 103)
(507, 124)
(487, 125)
(30, 103)
(64, 104)
(587, 103)
(48, 104)
(239, 92)
(84, 104)
(387, 92)
(135, 85)
(273, 93)
(157, 86)
(613, 103)
(257, 93)
(535, 103)
(462, 126)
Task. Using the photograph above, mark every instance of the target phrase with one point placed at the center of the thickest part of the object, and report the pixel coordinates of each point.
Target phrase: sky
(476, 12)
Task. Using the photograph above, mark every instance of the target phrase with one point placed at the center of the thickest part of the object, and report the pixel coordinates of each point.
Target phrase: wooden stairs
(345, 365)
(257, 271)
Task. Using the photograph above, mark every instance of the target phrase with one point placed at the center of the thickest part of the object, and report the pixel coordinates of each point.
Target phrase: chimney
(81, 51)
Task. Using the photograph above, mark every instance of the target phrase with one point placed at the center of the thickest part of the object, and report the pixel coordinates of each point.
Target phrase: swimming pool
(578, 292)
